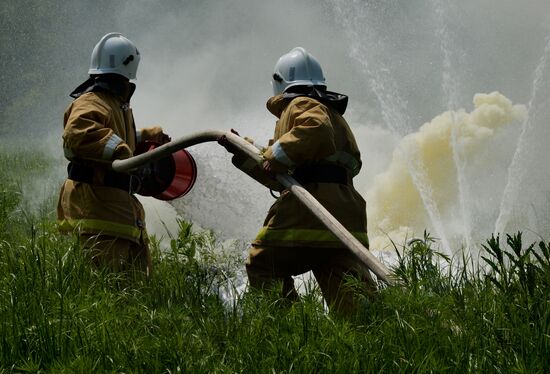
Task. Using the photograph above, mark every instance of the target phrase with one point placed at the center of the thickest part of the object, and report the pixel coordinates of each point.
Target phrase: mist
(207, 65)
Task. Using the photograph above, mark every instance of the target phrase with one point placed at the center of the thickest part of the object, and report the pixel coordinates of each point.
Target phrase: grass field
(57, 314)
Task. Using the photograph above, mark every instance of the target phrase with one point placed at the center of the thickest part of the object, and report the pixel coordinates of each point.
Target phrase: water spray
(393, 108)
(516, 169)
(450, 87)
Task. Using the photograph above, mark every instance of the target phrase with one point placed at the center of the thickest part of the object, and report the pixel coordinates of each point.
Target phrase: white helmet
(296, 68)
(115, 54)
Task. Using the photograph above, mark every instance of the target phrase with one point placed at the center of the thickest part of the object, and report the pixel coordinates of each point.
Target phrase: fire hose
(360, 252)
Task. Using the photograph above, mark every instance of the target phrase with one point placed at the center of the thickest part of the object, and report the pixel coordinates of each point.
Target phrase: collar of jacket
(278, 103)
(112, 83)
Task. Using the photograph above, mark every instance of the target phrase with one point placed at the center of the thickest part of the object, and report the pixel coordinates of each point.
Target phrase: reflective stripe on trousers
(306, 235)
(98, 226)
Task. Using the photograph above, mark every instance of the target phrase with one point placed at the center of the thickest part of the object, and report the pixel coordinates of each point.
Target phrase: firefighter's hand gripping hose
(235, 143)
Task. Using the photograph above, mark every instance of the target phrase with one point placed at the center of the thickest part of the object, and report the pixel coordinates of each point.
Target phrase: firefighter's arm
(256, 171)
(311, 137)
(87, 136)
(251, 167)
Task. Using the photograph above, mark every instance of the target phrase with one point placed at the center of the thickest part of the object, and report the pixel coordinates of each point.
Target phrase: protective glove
(122, 151)
(164, 138)
(228, 146)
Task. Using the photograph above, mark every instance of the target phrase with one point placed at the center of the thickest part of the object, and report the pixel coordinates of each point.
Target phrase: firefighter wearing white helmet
(297, 68)
(314, 143)
(96, 202)
(115, 54)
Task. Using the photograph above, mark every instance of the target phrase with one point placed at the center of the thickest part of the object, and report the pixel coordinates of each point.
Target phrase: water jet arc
(289, 182)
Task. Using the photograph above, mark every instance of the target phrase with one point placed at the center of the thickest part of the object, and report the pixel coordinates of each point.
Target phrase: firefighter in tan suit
(98, 128)
(314, 143)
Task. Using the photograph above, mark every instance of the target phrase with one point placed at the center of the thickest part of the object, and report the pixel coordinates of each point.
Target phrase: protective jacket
(314, 143)
(98, 128)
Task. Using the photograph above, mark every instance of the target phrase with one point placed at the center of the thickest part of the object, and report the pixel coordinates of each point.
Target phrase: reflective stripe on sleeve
(280, 155)
(97, 226)
(110, 147)
(305, 235)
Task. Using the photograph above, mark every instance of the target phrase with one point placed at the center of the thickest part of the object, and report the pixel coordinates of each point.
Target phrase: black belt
(85, 174)
(321, 174)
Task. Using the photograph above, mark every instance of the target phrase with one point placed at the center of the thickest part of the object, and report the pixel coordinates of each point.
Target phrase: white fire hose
(287, 181)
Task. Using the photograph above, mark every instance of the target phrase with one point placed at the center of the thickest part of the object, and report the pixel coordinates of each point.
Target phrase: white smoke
(427, 57)
(396, 208)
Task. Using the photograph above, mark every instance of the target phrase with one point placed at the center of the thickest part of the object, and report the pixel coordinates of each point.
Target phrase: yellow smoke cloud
(396, 207)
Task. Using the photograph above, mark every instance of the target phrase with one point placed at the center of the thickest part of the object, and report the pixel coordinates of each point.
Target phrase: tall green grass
(57, 314)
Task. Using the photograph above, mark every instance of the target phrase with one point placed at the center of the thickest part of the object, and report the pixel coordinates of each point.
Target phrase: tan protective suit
(292, 240)
(98, 128)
